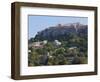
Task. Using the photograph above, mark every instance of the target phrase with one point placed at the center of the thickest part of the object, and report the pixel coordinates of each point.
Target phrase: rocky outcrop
(62, 32)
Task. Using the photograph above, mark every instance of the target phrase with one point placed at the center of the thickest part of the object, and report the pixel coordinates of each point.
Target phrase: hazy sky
(37, 23)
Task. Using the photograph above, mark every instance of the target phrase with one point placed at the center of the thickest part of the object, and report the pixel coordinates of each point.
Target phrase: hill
(62, 32)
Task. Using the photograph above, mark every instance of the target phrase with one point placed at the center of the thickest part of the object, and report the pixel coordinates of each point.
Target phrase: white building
(57, 42)
(71, 48)
(38, 44)
(45, 42)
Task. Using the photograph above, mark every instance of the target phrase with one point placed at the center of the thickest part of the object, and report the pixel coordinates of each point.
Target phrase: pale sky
(37, 23)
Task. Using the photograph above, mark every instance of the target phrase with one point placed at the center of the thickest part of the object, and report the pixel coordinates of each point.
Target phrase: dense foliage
(72, 50)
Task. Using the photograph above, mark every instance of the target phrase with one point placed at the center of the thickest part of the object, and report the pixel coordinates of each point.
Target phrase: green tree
(33, 59)
(49, 47)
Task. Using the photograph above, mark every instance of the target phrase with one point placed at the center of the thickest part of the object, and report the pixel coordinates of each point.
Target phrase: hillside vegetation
(59, 45)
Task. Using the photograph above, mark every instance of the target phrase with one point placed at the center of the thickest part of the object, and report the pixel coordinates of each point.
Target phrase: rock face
(62, 32)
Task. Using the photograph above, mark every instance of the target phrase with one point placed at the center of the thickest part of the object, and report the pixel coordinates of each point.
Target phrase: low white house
(45, 42)
(71, 48)
(38, 44)
(29, 51)
(57, 42)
